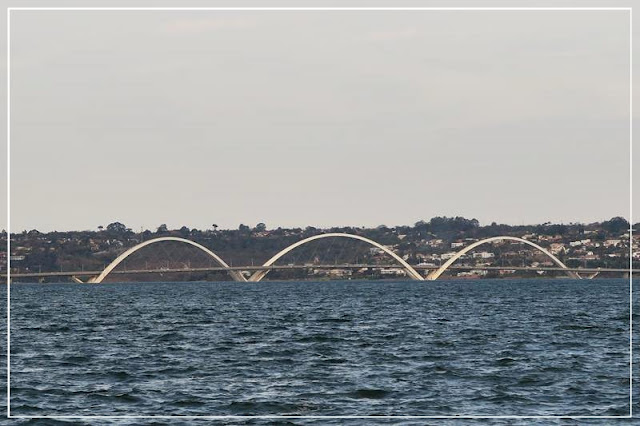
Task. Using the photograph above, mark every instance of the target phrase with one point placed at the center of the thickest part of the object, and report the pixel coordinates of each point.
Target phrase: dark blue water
(503, 347)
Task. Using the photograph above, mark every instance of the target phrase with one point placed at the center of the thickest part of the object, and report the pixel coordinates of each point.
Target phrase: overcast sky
(317, 118)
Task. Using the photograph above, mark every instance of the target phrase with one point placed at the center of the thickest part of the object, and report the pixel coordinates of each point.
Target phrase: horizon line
(324, 227)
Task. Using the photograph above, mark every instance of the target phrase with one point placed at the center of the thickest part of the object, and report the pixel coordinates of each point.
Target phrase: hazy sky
(317, 118)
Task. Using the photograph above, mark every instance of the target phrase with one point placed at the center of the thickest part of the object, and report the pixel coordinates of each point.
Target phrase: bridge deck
(303, 267)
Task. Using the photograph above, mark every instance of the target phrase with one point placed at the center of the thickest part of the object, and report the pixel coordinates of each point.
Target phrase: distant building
(483, 255)
(339, 273)
(334, 273)
(391, 271)
(423, 257)
(557, 248)
(435, 243)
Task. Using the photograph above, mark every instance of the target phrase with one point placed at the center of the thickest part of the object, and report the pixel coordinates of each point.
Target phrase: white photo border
(310, 9)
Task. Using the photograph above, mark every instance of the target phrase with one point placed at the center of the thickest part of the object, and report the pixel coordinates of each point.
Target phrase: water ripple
(529, 347)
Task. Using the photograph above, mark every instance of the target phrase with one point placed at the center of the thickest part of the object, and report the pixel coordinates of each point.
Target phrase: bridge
(161, 271)
(257, 273)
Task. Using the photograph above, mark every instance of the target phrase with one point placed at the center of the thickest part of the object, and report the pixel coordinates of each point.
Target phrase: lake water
(472, 347)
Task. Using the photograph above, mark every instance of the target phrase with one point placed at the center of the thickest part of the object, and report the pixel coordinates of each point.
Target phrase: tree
(616, 225)
(452, 224)
(100, 228)
(116, 228)
(184, 231)
(421, 227)
(162, 229)
(215, 227)
(261, 227)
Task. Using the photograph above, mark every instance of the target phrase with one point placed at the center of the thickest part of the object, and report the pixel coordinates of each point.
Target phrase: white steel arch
(435, 274)
(237, 276)
(410, 271)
